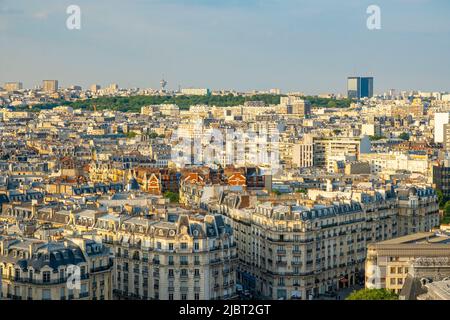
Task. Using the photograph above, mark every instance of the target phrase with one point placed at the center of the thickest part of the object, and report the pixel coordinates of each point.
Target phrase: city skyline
(224, 155)
(243, 45)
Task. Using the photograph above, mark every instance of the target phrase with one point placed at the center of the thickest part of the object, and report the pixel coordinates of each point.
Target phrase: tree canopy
(404, 136)
(446, 218)
(134, 103)
(372, 294)
(172, 196)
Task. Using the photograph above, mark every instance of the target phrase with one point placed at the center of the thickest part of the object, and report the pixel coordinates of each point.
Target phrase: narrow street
(341, 294)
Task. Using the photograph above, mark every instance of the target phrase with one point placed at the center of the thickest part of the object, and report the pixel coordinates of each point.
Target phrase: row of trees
(134, 104)
(403, 136)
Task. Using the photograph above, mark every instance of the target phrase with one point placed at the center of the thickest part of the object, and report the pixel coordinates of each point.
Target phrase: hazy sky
(301, 45)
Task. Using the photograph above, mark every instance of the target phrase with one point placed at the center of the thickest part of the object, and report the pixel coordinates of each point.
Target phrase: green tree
(131, 134)
(276, 192)
(372, 294)
(153, 135)
(447, 208)
(404, 136)
(331, 104)
(376, 138)
(441, 200)
(172, 196)
(446, 218)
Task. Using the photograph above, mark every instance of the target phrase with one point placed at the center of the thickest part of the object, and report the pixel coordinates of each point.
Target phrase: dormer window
(46, 277)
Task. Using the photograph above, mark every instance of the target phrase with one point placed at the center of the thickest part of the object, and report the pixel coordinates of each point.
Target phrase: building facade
(33, 269)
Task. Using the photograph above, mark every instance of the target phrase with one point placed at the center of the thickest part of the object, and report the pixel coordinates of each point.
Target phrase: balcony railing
(41, 281)
(102, 268)
(214, 261)
(281, 263)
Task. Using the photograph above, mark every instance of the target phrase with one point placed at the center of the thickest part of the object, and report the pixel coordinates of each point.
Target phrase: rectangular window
(84, 291)
(61, 274)
(46, 277)
(46, 294)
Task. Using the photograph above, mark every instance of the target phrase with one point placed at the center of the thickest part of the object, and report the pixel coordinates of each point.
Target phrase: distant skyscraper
(94, 88)
(13, 86)
(360, 87)
(50, 85)
(163, 84)
(113, 88)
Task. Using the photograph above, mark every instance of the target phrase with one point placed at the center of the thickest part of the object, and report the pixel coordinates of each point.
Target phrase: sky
(309, 46)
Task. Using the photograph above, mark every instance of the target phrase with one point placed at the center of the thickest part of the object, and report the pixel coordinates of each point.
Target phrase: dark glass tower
(360, 87)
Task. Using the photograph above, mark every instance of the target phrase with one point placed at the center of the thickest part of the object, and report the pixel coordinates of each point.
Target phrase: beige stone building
(50, 86)
(76, 269)
(190, 258)
(388, 262)
(418, 210)
(296, 249)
